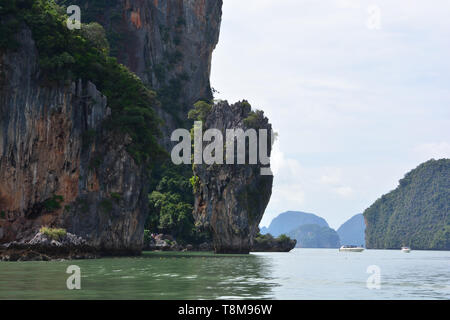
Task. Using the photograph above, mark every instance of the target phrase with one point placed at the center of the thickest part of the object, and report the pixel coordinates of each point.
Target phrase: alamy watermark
(374, 20)
(220, 151)
(374, 280)
(73, 282)
(74, 20)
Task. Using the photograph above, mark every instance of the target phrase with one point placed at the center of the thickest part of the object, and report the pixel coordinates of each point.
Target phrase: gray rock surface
(50, 137)
(231, 199)
(163, 242)
(42, 247)
(168, 44)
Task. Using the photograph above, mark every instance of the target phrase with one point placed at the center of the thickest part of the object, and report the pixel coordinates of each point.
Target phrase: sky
(358, 92)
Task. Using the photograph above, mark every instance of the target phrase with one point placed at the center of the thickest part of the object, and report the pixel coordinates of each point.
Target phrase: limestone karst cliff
(80, 132)
(161, 41)
(60, 163)
(231, 198)
(51, 137)
(168, 44)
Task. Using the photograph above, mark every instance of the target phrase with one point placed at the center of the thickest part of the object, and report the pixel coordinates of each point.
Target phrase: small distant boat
(351, 249)
(406, 249)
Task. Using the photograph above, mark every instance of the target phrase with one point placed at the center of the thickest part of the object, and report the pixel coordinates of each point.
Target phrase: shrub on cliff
(96, 35)
(200, 111)
(254, 118)
(171, 205)
(53, 233)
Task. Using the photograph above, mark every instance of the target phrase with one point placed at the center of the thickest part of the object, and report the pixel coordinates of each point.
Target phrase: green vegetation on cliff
(83, 54)
(171, 204)
(416, 213)
(53, 233)
(200, 111)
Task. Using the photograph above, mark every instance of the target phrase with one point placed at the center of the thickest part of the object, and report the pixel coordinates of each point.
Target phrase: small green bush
(195, 182)
(284, 238)
(96, 35)
(200, 111)
(253, 119)
(53, 233)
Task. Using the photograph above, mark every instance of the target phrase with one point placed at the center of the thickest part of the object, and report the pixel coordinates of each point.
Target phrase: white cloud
(354, 4)
(344, 191)
(331, 177)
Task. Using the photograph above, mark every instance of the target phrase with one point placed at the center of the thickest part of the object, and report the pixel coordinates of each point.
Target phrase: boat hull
(351, 249)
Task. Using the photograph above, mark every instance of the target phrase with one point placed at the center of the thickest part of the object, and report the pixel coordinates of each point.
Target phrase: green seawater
(300, 274)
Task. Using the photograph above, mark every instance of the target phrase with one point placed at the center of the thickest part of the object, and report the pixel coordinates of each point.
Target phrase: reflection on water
(152, 276)
(300, 274)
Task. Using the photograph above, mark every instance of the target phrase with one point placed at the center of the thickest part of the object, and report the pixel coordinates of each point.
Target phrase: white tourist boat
(351, 249)
(406, 249)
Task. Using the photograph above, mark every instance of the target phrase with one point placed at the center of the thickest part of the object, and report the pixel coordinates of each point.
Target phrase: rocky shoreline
(261, 243)
(163, 242)
(71, 247)
(44, 248)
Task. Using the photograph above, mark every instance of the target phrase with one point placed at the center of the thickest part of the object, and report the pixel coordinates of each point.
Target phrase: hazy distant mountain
(315, 236)
(291, 220)
(352, 231)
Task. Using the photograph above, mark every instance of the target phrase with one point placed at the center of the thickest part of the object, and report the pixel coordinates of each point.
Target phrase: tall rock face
(416, 213)
(58, 167)
(168, 44)
(231, 199)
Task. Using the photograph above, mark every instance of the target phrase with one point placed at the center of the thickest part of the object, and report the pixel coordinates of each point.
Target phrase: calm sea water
(300, 274)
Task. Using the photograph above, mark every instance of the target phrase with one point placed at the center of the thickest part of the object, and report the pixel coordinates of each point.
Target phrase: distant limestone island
(312, 231)
(416, 215)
